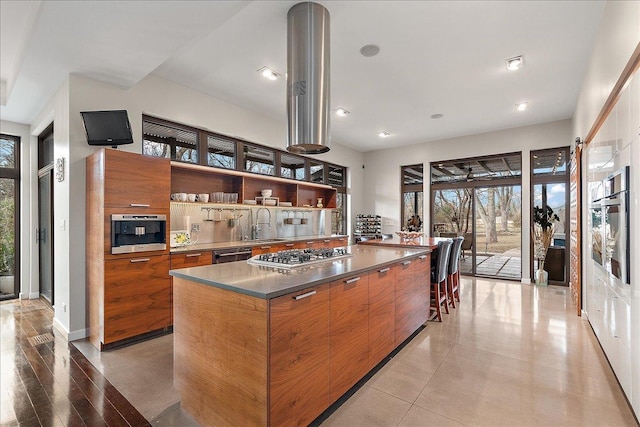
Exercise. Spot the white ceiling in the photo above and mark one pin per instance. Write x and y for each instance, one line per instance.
(443, 57)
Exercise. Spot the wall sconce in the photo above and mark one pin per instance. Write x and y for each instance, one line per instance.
(60, 169)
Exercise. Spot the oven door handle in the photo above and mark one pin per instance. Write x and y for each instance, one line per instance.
(232, 254)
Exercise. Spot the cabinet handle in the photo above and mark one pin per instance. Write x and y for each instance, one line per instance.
(305, 295)
(349, 281)
(140, 260)
(288, 245)
(406, 263)
(193, 255)
(422, 257)
(265, 247)
(326, 241)
(139, 205)
(384, 270)
(309, 243)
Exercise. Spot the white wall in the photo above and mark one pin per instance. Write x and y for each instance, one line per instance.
(613, 310)
(28, 198)
(382, 172)
(153, 96)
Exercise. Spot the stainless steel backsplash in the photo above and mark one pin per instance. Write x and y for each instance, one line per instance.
(217, 224)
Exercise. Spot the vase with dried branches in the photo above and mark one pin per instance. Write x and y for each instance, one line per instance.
(544, 220)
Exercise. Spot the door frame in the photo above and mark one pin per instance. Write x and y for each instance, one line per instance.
(47, 170)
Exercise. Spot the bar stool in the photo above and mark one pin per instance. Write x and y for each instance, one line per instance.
(439, 279)
(453, 277)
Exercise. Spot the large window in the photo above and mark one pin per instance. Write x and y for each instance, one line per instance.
(412, 197)
(9, 185)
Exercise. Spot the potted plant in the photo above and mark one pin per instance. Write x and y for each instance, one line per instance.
(542, 233)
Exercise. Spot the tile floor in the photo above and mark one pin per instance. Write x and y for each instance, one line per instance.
(509, 354)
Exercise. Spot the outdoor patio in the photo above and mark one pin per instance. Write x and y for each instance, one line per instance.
(507, 265)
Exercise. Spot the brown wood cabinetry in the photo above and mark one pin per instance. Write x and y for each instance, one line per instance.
(191, 259)
(302, 350)
(134, 181)
(129, 294)
(422, 283)
(299, 356)
(412, 296)
(349, 333)
(382, 313)
(137, 297)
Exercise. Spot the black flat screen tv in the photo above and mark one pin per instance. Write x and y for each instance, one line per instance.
(107, 127)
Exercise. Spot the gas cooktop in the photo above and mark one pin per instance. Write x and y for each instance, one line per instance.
(299, 258)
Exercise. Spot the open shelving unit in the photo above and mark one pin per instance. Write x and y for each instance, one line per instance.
(188, 178)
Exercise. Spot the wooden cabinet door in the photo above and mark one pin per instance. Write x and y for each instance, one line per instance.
(191, 259)
(349, 333)
(137, 181)
(136, 296)
(299, 356)
(338, 242)
(382, 314)
(422, 283)
(405, 303)
(311, 244)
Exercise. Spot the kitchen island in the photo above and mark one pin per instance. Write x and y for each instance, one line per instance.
(257, 345)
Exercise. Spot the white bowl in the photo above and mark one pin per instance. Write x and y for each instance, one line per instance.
(270, 202)
(266, 193)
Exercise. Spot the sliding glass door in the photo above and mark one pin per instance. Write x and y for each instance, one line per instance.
(498, 232)
(480, 199)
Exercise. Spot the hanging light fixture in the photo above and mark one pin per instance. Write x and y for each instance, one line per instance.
(308, 79)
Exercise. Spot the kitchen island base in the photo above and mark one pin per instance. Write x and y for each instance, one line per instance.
(242, 359)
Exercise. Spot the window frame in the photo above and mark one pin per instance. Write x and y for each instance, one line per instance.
(14, 174)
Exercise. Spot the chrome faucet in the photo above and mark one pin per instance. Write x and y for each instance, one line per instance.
(256, 228)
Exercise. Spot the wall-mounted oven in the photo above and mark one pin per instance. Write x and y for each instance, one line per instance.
(614, 225)
(138, 233)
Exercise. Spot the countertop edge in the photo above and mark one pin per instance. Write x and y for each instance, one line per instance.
(412, 252)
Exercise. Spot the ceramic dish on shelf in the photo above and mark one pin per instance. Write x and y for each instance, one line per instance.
(286, 204)
(269, 202)
(250, 202)
(266, 193)
(180, 238)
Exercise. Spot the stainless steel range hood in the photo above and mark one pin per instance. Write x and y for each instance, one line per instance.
(308, 78)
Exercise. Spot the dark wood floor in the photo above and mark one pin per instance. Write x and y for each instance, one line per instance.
(45, 381)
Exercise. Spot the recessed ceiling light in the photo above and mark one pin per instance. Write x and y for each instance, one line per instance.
(384, 134)
(515, 63)
(269, 73)
(437, 116)
(369, 50)
(522, 106)
(342, 112)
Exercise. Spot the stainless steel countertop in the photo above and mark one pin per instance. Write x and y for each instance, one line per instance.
(269, 282)
(248, 243)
